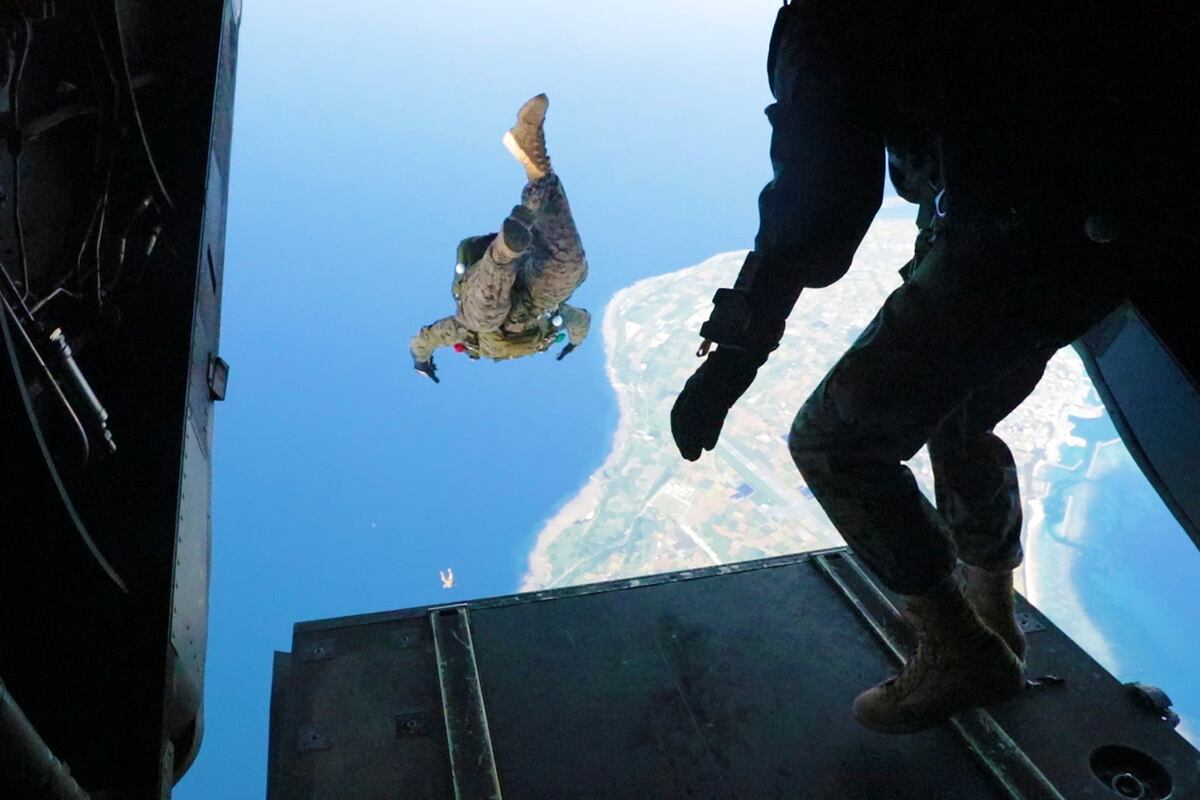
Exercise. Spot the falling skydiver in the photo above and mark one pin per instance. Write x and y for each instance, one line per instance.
(511, 288)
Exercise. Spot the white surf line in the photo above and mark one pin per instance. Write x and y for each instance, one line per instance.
(1035, 520)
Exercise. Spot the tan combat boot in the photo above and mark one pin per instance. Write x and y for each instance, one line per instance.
(959, 664)
(527, 140)
(991, 595)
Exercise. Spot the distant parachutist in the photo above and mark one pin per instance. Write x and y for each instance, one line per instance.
(447, 576)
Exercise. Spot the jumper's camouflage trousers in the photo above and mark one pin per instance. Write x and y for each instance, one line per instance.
(985, 303)
(503, 296)
(505, 290)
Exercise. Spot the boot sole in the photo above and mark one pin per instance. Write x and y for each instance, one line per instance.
(991, 698)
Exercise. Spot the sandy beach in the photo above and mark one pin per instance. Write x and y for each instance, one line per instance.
(587, 500)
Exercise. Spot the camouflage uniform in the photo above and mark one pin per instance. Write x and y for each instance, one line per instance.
(507, 302)
(990, 298)
(1033, 116)
(975, 477)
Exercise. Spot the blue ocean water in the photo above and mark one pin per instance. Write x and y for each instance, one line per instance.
(1135, 572)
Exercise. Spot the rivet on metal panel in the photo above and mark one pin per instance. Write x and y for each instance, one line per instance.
(415, 723)
(407, 639)
(310, 739)
(1029, 623)
(319, 651)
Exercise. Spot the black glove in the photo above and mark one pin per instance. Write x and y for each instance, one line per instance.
(564, 352)
(428, 369)
(699, 411)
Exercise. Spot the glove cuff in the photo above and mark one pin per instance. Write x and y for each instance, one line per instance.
(749, 316)
(734, 324)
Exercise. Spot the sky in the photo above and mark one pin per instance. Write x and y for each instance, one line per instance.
(366, 145)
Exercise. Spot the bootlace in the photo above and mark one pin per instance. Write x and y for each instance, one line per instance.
(925, 658)
(930, 654)
(539, 149)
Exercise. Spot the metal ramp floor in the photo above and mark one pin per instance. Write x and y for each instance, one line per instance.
(729, 682)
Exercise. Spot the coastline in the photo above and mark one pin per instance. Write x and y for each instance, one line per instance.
(1048, 572)
(538, 574)
(586, 501)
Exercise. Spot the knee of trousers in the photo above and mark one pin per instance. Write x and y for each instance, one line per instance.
(544, 195)
(830, 430)
(813, 438)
